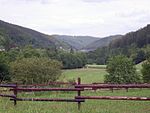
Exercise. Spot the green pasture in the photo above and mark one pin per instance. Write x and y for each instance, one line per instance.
(87, 75)
(139, 67)
(96, 66)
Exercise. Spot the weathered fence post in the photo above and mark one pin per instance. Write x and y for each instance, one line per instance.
(79, 93)
(15, 94)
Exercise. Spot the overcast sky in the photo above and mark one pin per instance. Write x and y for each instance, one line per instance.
(77, 17)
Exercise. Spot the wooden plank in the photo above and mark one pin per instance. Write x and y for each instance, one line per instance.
(50, 83)
(114, 98)
(3, 95)
(46, 99)
(113, 86)
(48, 89)
(7, 85)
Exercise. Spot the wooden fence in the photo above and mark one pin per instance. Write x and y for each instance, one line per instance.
(78, 87)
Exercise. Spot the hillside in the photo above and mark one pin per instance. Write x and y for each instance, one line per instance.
(21, 36)
(135, 45)
(76, 42)
(140, 38)
(18, 36)
(101, 42)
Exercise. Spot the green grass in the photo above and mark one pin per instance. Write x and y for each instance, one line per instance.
(87, 75)
(89, 106)
(96, 66)
(139, 66)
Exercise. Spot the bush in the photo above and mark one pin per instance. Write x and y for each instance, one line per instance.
(72, 60)
(35, 70)
(121, 70)
(4, 68)
(146, 71)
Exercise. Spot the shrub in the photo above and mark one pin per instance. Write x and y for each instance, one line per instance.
(146, 71)
(121, 70)
(35, 70)
(4, 68)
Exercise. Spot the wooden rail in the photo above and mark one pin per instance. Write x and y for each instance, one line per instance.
(4, 95)
(8, 85)
(104, 86)
(48, 89)
(46, 99)
(50, 83)
(114, 98)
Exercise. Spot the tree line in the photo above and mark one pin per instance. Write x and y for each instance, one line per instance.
(37, 65)
(101, 55)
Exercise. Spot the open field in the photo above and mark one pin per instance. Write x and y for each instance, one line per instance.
(139, 67)
(96, 66)
(89, 106)
(87, 75)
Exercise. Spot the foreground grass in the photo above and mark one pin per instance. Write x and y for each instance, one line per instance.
(87, 75)
(90, 106)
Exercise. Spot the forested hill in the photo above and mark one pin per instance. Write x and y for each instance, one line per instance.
(21, 36)
(140, 38)
(101, 42)
(135, 45)
(76, 42)
(17, 36)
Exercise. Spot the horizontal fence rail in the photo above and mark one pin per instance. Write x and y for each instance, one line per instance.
(50, 83)
(113, 86)
(114, 98)
(7, 85)
(48, 89)
(46, 99)
(4, 95)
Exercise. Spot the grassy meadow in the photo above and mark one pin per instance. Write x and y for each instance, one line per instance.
(96, 66)
(88, 75)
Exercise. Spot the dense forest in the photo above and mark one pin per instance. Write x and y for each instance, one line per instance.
(135, 45)
(17, 36)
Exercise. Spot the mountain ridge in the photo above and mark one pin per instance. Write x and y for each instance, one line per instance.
(22, 36)
(76, 42)
(102, 42)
